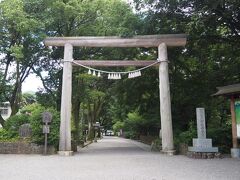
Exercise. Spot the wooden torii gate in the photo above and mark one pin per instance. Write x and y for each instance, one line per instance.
(159, 41)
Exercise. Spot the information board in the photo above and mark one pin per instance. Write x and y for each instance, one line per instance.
(237, 111)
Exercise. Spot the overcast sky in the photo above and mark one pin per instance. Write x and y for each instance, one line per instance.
(32, 83)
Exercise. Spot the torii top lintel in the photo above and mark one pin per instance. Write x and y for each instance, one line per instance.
(115, 41)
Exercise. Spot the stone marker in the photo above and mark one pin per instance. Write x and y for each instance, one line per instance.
(25, 131)
(201, 125)
(202, 144)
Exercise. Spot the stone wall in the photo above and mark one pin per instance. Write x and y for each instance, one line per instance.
(22, 147)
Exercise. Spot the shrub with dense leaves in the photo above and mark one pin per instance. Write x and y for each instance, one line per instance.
(36, 112)
(13, 124)
(32, 114)
(118, 126)
(186, 137)
(132, 125)
(221, 137)
(6, 136)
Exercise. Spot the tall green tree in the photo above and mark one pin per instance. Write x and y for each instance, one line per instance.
(81, 18)
(20, 36)
(210, 58)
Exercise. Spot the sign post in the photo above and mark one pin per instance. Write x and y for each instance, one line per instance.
(46, 118)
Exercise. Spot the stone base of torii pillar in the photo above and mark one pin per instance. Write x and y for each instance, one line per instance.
(65, 153)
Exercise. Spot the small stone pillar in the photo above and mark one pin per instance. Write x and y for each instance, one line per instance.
(65, 126)
(165, 102)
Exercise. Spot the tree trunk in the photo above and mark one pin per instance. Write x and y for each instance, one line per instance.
(90, 123)
(16, 94)
(92, 115)
(90, 131)
(2, 121)
(76, 119)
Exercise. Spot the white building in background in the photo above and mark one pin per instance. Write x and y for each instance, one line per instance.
(5, 110)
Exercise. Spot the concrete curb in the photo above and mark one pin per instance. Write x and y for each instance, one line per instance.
(87, 143)
(141, 145)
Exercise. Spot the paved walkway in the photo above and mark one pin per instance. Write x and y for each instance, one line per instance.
(116, 159)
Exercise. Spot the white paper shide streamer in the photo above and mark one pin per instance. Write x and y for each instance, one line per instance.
(114, 76)
(134, 74)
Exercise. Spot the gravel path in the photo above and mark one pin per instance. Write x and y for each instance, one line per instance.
(116, 159)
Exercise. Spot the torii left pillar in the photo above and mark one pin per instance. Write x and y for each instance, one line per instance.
(66, 104)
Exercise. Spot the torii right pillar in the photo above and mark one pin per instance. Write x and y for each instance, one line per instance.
(165, 102)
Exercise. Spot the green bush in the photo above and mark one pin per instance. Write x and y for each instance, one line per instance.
(36, 111)
(221, 137)
(186, 136)
(117, 126)
(133, 125)
(130, 135)
(32, 114)
(6, 136)
(13, 124)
